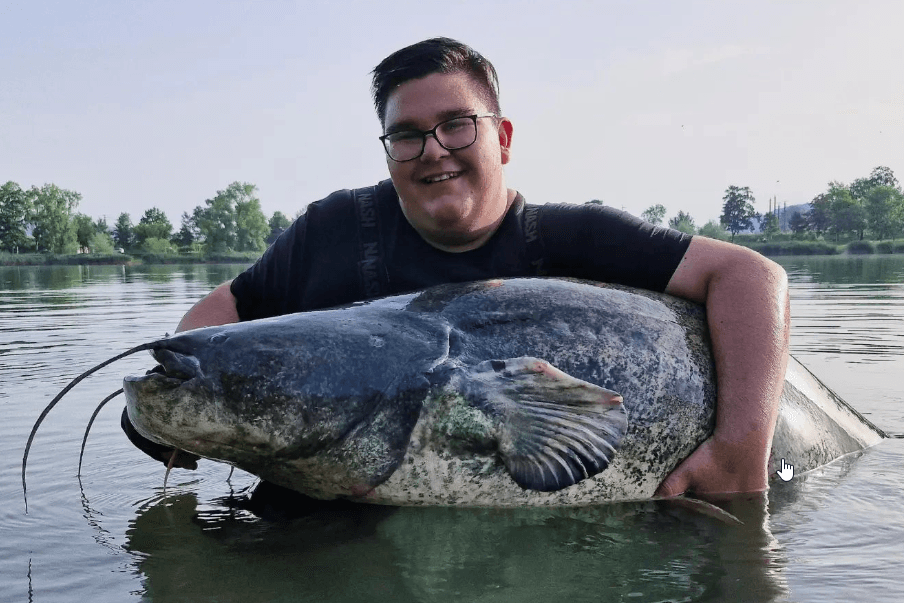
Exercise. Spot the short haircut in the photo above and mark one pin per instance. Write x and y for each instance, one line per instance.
(436, 55)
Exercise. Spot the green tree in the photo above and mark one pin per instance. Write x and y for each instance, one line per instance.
(883, 176)
(15, 210)
(885, 211)
(123, 231)
(737, 210)
(278, 224)
(683, 222)
(820, 214)
(714, 230)
(217, 221)
(859, 188)
(101, 225)
(846, 214)
(153, 225)
(798, 223)
(880, 176)
(52, 211)
(101, 242)
(769, 225)
(188, 233)
(251, 227)
(157, 246)
(654, 214)
(84, 230)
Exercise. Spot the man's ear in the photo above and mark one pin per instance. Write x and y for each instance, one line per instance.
(505, 139)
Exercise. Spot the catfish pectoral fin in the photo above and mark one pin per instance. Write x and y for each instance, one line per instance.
(557, 430)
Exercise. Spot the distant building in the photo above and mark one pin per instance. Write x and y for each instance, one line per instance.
(784, 217)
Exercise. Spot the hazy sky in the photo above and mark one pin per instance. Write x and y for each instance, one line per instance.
(161, 104)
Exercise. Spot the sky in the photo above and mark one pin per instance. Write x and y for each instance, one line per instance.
(162, 104)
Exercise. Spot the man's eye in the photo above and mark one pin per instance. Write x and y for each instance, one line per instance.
(454, 125)
(405, 136)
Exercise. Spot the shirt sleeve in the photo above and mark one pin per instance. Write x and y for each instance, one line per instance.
(311, 265)
(264, 289)
(600, 243)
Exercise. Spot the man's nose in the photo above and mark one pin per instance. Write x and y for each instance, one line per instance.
(432, 148)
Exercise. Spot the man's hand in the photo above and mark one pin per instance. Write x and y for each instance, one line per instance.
(716, 467)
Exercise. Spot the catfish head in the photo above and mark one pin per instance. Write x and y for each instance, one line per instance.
(313, 388)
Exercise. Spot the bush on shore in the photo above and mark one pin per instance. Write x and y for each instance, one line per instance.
(793, 247)
(809, 247)
(861, 247)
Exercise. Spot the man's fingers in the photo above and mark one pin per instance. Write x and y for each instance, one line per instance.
(673, 485)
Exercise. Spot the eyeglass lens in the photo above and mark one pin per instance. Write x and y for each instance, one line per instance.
(453, 134)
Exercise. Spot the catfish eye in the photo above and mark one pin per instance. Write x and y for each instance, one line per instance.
(218, 337)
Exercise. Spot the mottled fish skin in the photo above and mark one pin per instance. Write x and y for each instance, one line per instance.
(377, 401)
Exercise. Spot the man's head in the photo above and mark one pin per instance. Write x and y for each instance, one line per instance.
(454, 198)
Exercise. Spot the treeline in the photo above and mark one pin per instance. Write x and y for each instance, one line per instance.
(44, 220)
(870, 207)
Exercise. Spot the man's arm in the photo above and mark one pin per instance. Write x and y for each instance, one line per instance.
(748, 312)
(217, 308)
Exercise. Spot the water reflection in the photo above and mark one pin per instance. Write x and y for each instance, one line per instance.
(633, 551)
(64, 277)
(648, 551)
(848, 306)
(846, 269)
(188, 551)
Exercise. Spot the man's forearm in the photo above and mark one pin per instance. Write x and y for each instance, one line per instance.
(217, 308)
(746, 297)
(749, 319)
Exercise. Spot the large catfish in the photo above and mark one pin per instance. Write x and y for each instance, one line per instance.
(495, 393)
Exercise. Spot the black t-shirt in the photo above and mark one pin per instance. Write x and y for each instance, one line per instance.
(317, 262)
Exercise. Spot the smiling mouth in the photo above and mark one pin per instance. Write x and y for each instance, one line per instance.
(440, 177)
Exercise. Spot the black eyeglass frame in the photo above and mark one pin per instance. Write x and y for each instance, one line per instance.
(385, 138)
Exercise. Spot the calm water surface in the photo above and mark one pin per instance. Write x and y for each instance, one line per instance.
(835, 534)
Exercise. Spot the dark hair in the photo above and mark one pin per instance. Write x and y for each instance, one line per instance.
(436, 55)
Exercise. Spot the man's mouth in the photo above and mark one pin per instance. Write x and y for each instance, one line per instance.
(440, 177)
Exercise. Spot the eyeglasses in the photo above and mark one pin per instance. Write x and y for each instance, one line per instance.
(452, 134)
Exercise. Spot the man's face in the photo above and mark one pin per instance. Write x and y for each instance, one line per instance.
(458, 213)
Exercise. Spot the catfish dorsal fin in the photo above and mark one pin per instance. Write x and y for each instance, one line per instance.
(557, 430)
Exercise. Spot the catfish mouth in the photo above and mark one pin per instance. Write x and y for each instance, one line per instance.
(174, 369)
(175, 365)
(156, 400)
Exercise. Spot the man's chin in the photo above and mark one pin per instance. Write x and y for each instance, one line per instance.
(441, 212)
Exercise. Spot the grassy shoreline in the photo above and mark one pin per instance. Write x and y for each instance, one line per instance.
(95, 259)
(803, 248)
(767, 248)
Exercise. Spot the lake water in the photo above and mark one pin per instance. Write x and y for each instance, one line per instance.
(835, 534)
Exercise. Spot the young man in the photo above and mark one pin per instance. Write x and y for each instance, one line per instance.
(447, 215)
